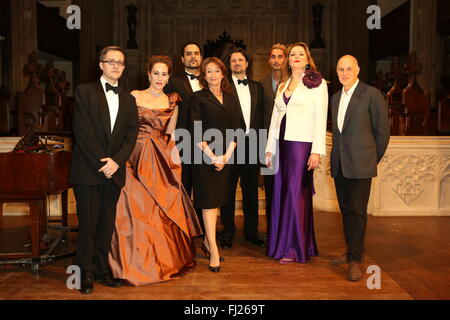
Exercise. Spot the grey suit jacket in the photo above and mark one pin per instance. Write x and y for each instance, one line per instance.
(365, 133)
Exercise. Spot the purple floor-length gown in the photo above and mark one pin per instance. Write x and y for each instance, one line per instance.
(291, 232)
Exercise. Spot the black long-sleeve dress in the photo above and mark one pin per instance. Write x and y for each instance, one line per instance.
(211, 188)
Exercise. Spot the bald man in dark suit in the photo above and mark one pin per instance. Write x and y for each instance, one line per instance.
(361, 134)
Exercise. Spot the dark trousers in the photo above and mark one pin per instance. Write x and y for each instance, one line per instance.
(96, 211)
(268, 187)
(186, 180)
(353, 197)
(249, 175)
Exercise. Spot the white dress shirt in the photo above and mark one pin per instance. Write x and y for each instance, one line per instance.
(195, 84)
(306, 117)
(245, 100)
(113, 102)
(343, 104)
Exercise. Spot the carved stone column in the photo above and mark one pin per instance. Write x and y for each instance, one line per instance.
(317, 45)
(304, 20)
(88, 60)
(423, 40)
(326, 57)
(261, 67)
(319, 56)
(135, 73)
(352, 36)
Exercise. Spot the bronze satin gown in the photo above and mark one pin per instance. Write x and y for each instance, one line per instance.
(155, 222)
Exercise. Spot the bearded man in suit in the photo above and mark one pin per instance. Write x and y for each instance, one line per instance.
(185, 84)
(249, 95)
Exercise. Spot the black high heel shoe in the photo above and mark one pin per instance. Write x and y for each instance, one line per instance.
(207, 254)
(211, 268)
(214, 269)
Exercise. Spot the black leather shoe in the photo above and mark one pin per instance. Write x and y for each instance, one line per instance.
(87, 285)
(257, 242)
(226, 243)
(109, 281)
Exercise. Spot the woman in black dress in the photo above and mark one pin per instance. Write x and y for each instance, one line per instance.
(213, 112)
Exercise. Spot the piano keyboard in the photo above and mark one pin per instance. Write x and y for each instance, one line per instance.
(7, 144)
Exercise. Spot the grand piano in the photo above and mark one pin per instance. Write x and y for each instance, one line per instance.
(31, 178)
(35, 173)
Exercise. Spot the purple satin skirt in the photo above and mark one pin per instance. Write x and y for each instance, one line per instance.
(291, 231)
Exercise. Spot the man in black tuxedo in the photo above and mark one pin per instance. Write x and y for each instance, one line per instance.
(250, 98)
(185, 84)
(105, 128)
(361, 134)
(277, 54)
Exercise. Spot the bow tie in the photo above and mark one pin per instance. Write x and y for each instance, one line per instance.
(110, 87)
(244, 82)
(192, 76)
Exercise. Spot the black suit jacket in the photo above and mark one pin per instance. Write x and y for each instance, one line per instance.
(213, 115)
(365, 133)
(269, 100)
(206, 108)
(93, 137)
(180, 84)
(257, 104)
(256, 113)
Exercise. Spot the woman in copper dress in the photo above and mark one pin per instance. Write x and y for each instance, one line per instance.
(156, 222)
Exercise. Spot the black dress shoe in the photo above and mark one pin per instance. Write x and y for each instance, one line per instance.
(87, 285)
(257, 242)
(226, 243)
(109, 281)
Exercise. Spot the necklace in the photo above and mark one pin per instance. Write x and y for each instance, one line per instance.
(155, 94)
(217, 93)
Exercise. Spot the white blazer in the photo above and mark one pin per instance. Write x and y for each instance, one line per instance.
(306, 117)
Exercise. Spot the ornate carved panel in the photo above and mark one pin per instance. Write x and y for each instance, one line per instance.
(262, 31)
(286, 30)
(162, 36)
(413, 179)
(187, 29)
(165, 25)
